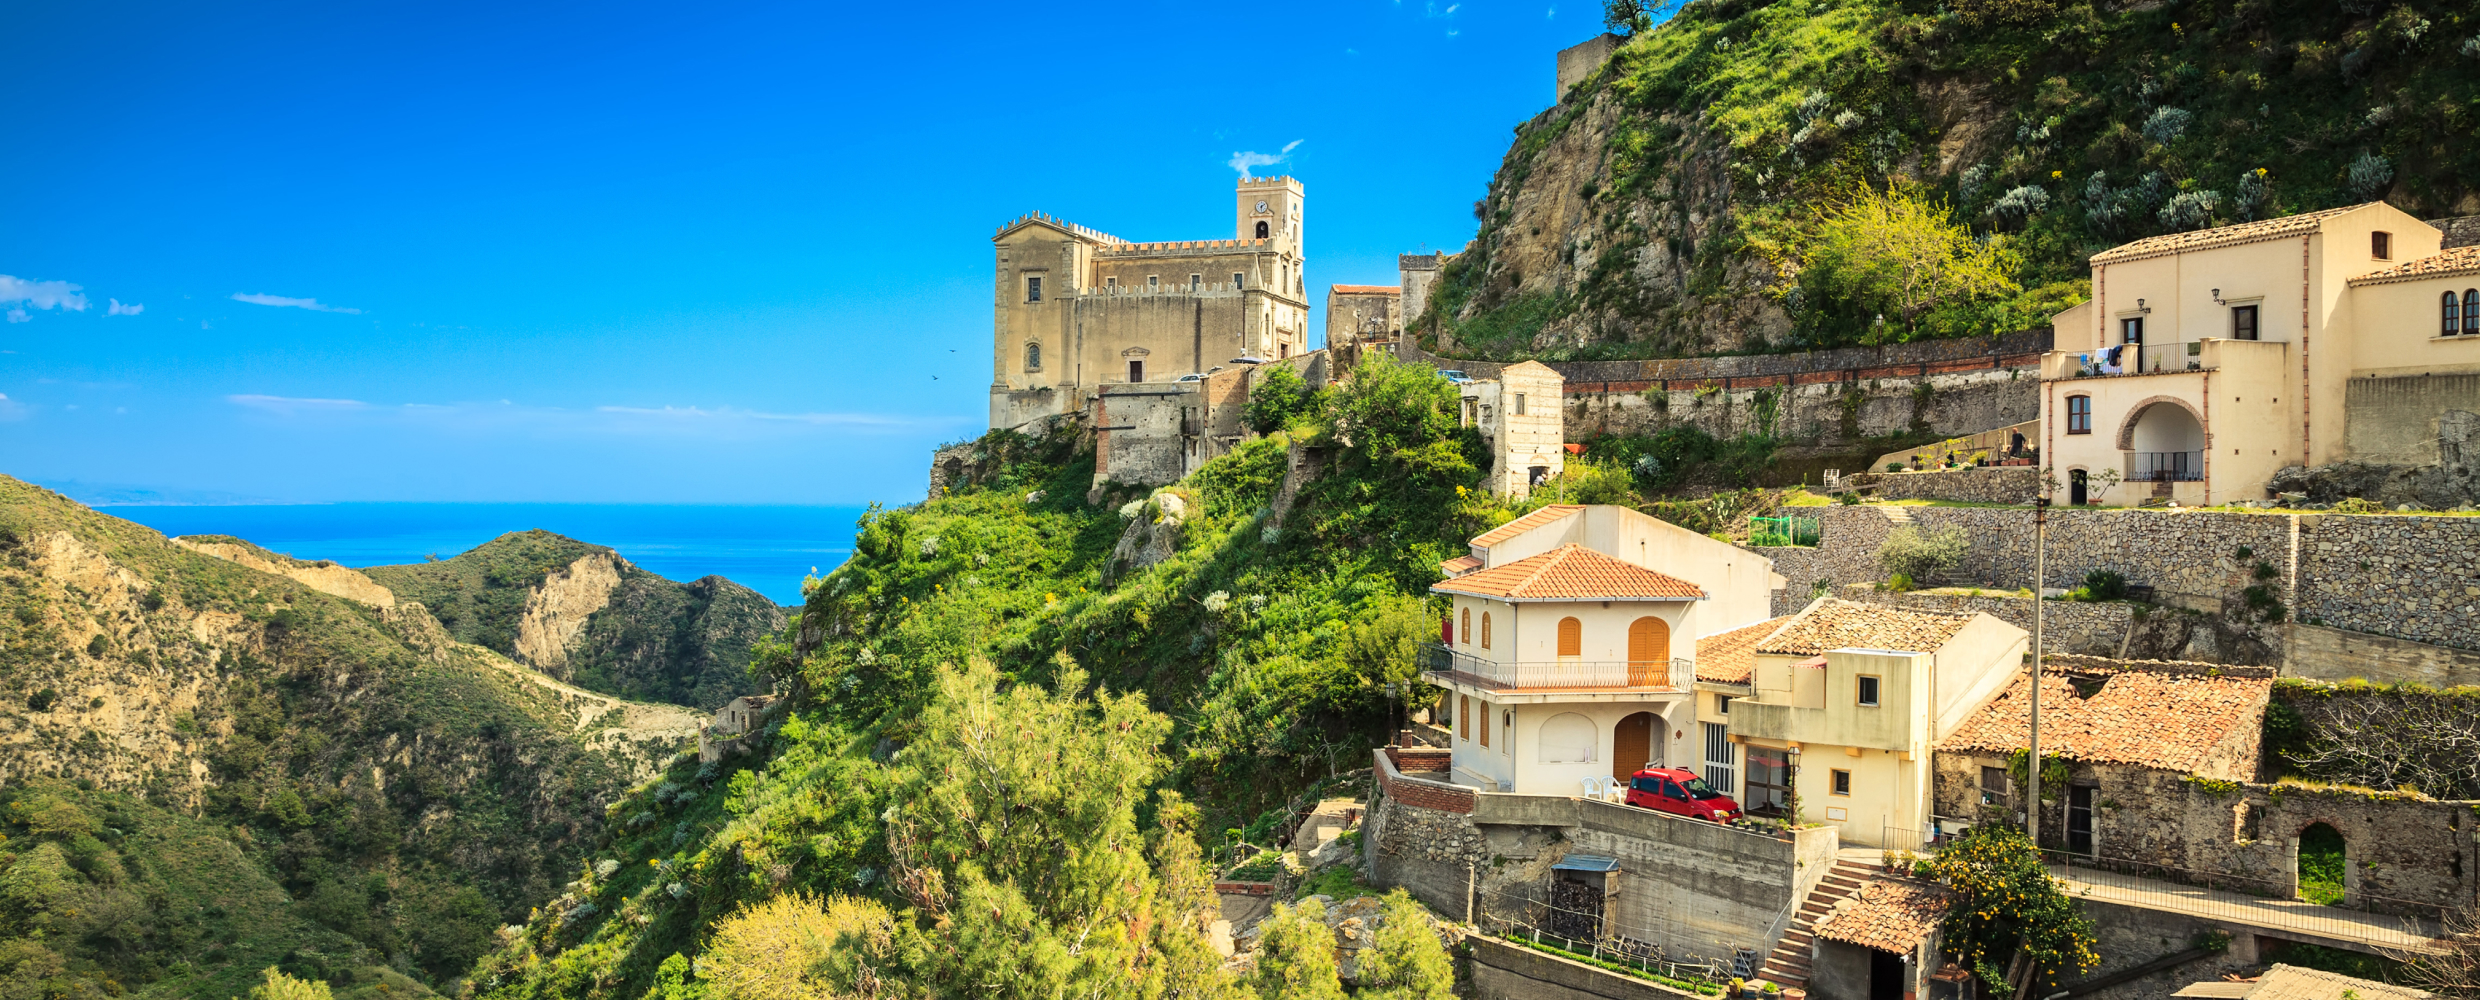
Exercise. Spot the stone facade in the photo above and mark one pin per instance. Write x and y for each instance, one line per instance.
(1363, 314)
(1076, 310)
(1521, 423)
(2099, 628)
(2019, 484)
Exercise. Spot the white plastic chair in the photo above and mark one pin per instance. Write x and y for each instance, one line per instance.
(1593, 788)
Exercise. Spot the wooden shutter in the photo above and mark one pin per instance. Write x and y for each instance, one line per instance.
(1631, 745)
(1649, 652)
(1571, 637)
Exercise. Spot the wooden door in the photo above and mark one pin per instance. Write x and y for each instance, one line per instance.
(1631, 745)
(1649, 652)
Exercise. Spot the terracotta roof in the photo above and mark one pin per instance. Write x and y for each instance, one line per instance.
(1459, 566)
(1731, 657)
(1833, 624)
(1888, 914)
(1526, 523)
(2442, 264)
(1571, 573)
(1367, 289)
(2222, 236)
(2290, 982)
(2149, 718)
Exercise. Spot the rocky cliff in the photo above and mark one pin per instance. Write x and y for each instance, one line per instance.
(583, 614)
(1664, 206)
(373, 794)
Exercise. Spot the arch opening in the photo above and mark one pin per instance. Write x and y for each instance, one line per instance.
(1569, 738)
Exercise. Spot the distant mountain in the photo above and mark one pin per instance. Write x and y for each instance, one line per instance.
(214, 759)
(583, 614)
(126, 495)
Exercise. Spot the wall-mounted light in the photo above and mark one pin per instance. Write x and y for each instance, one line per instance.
(2140, 307)
(2217, 298)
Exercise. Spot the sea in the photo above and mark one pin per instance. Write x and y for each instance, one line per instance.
(768, 549)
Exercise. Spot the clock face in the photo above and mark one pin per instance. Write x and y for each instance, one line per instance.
(1261, 207)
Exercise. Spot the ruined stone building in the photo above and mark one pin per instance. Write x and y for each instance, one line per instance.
(1363, 315)
(1075, 310)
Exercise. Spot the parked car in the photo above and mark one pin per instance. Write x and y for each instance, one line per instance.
(1191, 377)
(1681, 793)
(1454, 375)
(1248, 361)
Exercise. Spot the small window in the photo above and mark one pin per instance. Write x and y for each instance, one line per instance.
(1571, 637)
(1033, 288)
(2131, 330)
(1263, 231)
(1136, 371)
(2471, 311)
(1842, 782)
(2079, 414)
(1153, 281)
(1868, 692)
(1196, 281)
(1465, 633)
(2453, 311)
(1485, 723)
(1485, 630)
(1111, 282)
(1463, 717)
(2243, 322)
(1033, 357)
(1519, 404)
(2381, 246)
(1238, 280)
(1722, 704)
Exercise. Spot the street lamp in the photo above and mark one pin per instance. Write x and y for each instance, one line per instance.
(2032, 756)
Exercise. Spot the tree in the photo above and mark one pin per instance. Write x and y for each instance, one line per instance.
(1626, 17)
(1408, 962)
(1296, 956)
(791, 947)
(1895, 255)
(1920, 556)
(1279, 395)
(2451, 968)
(2003, 900)
(277, 986)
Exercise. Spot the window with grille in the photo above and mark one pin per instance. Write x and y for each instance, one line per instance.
(1033, 288)
(1718, 763)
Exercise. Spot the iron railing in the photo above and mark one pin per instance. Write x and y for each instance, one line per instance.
(2165, 466)
(2368, 918)
(1661, 675)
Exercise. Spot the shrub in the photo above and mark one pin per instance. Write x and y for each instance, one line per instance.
(2369, 176)
(1894, 466)
(2167, 124)
(1918, 555)
(2189, 210)
(2105, 585)
(1279, 395)
(1848, 498)
(792, 948)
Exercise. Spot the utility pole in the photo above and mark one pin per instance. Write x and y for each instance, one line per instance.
(2040, 583)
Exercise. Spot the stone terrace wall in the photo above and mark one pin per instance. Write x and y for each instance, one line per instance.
(2066, 625)
(2405, 576)
(1914, 354)
(1994, 484)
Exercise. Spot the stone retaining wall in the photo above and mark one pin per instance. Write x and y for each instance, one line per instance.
(1985, 484)
(2329, 654)
(1505, 971)
(2098, 629)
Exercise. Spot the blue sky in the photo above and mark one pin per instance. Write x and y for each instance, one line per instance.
(652, 253)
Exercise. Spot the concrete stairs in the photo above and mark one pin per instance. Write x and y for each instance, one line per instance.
(1788, 966)
(1898, 517)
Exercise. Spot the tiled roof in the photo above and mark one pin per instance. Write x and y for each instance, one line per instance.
(2290, 982)
(1368, 289)
(2221, 236)
(1730, 657)
(1526, 523)
(1833, 624)
(2442, 264)
(1458, 566)
(1571, 573)
(1888, 914)
(2149, 718)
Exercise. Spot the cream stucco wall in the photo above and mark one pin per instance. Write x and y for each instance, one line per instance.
(1515, 761)
(1739, 584)
(2399, 324)
(1528, 632)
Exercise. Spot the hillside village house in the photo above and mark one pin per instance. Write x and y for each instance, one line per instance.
(2207, 361)
(1839, 706)
(1569, 653)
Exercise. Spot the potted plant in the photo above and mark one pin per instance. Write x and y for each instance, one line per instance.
(1737, 985)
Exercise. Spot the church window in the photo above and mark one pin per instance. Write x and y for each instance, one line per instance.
(1033, 357)
(1033, 288)
(1136, 371)
(1263, 231)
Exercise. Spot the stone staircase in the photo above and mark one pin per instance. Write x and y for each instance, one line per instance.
(1898, 517)
(1788, 966)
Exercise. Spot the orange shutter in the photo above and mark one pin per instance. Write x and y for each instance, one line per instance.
(1485, 630)
(1571, 637)
(1463, 716)
(1485, 723)
(1649, 652)
(1464, 634)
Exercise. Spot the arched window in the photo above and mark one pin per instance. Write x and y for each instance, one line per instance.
(1485, 723)
(1568, 738)
(1463, 716)
(1485, 630)
(1033, 357)
(1464, 633)
(1571, 637)
(2453, 310)
(1263, 231)
(2471, 310)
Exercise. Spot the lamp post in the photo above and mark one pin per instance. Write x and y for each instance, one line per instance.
(2040, 583)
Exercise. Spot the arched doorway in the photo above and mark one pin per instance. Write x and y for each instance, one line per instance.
(1632, 745)
(2323, 864)
(1649, 652)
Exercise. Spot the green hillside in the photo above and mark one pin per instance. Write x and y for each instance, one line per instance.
(1705, 191)
(343, 787)
(651, 639)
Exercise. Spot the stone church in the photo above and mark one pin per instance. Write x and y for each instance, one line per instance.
(1076, 310)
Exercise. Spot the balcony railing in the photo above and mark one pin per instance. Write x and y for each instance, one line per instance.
(2165, 466)
(1660, 675)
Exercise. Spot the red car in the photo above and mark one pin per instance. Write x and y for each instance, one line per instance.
(1680, 793)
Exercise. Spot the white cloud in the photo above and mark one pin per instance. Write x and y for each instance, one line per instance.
(40, 294)
(1552, 12)
(313, 305)
(1243, 161)
(19, 316)
(117, 309)
(290, 405)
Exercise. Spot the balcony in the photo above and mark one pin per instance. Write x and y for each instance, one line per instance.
(2165, 466)
(1444, 665)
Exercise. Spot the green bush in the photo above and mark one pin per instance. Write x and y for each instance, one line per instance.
(1894, 466)
(1918, 555)
(2105, 585)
